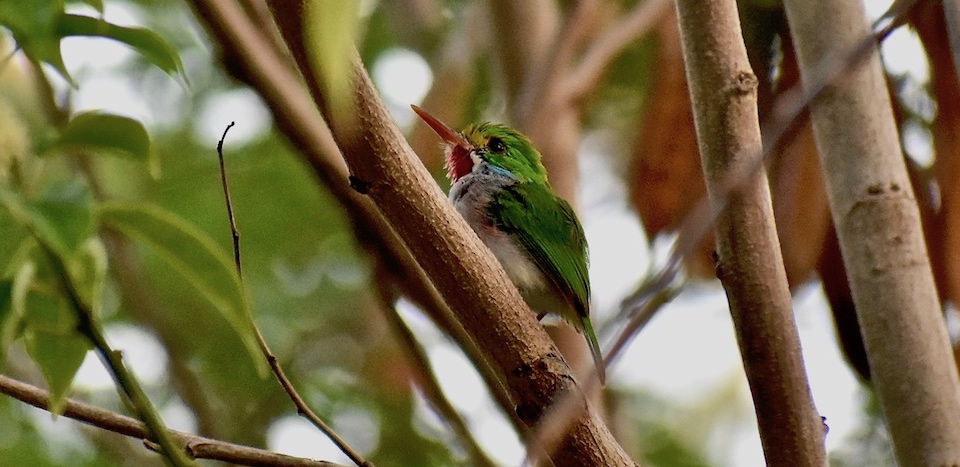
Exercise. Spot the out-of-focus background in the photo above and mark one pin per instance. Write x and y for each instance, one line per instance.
(678, 397)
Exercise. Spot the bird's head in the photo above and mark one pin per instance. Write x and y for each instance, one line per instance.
(498, 145)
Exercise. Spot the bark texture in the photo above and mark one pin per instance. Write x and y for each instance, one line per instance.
(877, 220)
(723, 90)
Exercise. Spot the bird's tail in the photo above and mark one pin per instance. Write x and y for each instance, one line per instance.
(594, 349)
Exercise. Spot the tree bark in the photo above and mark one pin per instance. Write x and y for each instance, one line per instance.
(465, 272)
(878, 224)
(723, 90)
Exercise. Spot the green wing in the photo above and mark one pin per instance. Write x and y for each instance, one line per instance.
(559, 248)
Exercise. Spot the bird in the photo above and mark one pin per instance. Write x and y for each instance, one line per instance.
(500, 186)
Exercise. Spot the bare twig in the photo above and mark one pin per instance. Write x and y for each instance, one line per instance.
(196, 446)
(234, 233)
(302, 408)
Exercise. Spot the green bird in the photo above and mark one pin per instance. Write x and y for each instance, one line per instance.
(500, 187)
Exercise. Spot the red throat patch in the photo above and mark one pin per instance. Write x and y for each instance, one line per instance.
(459, 163)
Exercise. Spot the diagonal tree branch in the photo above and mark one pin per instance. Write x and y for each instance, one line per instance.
(197, 447)
(464, 270)
(269, 72)
(427, 381)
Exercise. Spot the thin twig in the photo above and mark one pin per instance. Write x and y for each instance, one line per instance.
(197, 446)
(226, 196)
(786, 110)
(302, 408)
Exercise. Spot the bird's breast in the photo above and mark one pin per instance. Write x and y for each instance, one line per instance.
(472, 195)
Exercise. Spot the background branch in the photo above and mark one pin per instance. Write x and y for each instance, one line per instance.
(723, 90)
(427, 381)
(584, 78)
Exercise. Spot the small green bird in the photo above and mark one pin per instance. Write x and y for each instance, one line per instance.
(501, 189)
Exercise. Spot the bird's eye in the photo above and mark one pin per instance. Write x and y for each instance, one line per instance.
(496, 145)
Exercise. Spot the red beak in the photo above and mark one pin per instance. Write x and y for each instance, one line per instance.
(449, 135)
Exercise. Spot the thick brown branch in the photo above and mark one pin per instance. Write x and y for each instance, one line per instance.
(196, 446)
(464, 270)
(749, 262)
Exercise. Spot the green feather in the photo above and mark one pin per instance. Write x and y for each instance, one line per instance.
(559, 248)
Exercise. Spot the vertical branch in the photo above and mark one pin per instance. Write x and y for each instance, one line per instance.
(522, 33)
(723, 90)
(878, 225)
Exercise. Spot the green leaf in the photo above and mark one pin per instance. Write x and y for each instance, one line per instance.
(332, 27)
(29, 218)
(59, 357)
(66, 209)
(49, 331)
(98, 131)
(193, 254)
(33, 25)
(153, 47)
